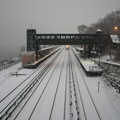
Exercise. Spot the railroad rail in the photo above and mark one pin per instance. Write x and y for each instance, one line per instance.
(58, 91)
(78, 94)
(7, 111)
(43, 92)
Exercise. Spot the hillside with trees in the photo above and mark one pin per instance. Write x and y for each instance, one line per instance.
(110, 24)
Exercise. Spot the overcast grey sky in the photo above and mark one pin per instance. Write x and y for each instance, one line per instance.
(47, 16)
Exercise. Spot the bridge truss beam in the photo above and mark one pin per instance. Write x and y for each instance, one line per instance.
(73, 39)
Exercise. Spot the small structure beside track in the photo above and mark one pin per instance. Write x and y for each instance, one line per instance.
(29, 58)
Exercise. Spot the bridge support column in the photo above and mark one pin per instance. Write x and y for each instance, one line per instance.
(36, 47)
(84, 51)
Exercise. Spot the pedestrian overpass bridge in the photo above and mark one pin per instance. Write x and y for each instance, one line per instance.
(34, 40)
(98, 41)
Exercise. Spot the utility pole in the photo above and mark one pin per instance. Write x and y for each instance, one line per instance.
(98, 87)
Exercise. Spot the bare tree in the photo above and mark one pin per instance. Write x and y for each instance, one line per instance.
(107, 25)
(82, 29)
(22, 49)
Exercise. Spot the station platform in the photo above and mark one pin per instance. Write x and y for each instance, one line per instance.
(37, 62)
(90, 68)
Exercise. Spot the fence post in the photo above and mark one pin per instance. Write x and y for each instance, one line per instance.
(98, 87)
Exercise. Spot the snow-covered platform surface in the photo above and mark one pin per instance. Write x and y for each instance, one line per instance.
(89, 65)
(9, 79)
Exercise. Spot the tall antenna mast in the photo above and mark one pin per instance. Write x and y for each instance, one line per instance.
(31, 26)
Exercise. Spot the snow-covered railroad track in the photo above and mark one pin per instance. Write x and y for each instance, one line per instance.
(20, 94)
(40, 92)
(57, 93)
(73, 98)
(85, 97)
(64, 92)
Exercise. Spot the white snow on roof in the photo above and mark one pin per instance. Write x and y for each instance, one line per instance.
(28, 53)
(115, 39)
(99, 30)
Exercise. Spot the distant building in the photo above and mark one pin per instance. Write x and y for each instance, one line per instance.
(99, 31)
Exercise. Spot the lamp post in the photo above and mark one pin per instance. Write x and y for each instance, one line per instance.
(99, 58)
(115, 28)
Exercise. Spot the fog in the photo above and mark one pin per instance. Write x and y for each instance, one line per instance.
(46, 16)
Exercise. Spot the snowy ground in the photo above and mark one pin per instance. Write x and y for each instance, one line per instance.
(9, 80)
(107, 100)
